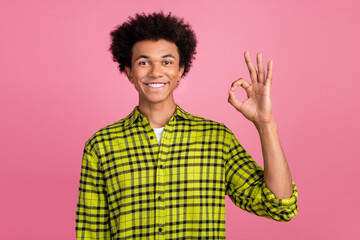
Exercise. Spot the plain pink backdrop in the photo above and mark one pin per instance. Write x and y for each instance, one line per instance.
(59, 85)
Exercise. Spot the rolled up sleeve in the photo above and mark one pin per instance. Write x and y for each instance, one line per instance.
(246, 187)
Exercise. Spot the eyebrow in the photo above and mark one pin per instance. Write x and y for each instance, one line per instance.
(147, 57)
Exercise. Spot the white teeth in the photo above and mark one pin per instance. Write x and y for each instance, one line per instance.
(156, 85)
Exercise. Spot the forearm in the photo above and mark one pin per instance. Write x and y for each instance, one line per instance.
(276, 170)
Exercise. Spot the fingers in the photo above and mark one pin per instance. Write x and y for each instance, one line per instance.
(243, 83)
(258, 75)
(250, 66)
(268, 80)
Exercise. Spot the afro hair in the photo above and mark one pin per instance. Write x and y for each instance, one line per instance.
(153, 26)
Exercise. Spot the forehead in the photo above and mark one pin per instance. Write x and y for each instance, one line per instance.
(154, 49)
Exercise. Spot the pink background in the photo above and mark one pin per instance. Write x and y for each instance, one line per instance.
(59, 85)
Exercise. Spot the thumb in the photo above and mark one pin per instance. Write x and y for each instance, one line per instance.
(233, 100)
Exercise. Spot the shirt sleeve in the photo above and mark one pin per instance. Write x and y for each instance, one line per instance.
(92, 215)
(246, 187)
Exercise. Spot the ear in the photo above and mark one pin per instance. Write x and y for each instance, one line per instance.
(128, 74)
(181, 72)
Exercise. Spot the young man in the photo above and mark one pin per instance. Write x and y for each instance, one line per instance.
(162, 173)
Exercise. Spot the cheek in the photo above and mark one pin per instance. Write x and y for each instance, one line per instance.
(175, 73)
(138, 76)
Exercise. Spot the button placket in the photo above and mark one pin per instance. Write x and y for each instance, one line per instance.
(159, 221)
(162, 181)
(162, 184)
(159, 203)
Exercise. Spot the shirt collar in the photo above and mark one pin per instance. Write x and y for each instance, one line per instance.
(136, 115)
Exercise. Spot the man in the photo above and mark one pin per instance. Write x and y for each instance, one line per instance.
(162, 173)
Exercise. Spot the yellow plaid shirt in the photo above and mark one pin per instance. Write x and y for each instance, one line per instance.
(133, 188)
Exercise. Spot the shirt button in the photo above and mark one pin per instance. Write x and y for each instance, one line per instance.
(152, 137)
(161, 166)
(159, 198)
(160, 229)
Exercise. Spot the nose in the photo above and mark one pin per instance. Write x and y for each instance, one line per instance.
(156, 71)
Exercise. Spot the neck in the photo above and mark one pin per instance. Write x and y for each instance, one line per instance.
(157, 114)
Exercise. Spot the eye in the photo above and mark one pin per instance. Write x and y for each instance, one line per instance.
(144, 63)
(167, 62)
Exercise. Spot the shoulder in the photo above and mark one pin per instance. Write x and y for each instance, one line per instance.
(108, 132)
(208, 131)
(207, 124)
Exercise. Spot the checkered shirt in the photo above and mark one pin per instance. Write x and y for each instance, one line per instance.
(133, 188)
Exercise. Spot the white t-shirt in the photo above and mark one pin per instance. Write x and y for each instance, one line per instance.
(158, 132)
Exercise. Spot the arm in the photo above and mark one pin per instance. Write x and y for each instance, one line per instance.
(258, 109)
(276, 171)
(246, 187)
(92, 215)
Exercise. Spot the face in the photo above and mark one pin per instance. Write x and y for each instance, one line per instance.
(155, 70)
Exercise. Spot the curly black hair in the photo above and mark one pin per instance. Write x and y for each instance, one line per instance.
(153, 26)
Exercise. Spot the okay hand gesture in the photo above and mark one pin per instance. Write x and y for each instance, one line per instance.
(257, 108)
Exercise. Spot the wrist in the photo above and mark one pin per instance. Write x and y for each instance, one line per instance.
(266, 125)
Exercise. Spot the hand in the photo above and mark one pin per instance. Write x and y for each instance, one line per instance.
(257, 108)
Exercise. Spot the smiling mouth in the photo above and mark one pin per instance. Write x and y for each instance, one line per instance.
(155, 85)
